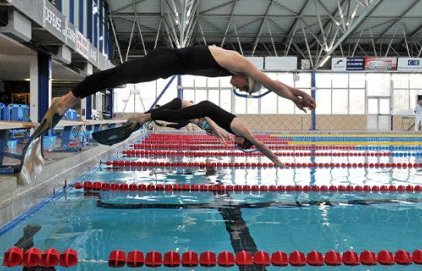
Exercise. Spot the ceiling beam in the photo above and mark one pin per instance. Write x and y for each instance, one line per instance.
(363, 16)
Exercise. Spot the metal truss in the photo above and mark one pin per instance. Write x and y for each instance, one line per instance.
(345, 29)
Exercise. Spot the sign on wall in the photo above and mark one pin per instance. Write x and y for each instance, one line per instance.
(380, 63)
(347, 63)
(409, 64)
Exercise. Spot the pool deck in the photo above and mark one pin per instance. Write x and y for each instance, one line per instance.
(59, 167)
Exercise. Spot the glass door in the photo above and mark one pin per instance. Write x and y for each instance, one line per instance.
(378, 113)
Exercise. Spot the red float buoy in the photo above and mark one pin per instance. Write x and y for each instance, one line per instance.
(402, 257)
(50, 258)
(315, 258)
(279, 258)
(13, 257)
(135, 258)
(350, 258)
(297, 258)
(69, 258)
(153, 259)
(417, 256)
(117, 258)
(332, 258)
(190, 259)
(225, 258)
(171, 259)
(261, 258)
(385, 257)
(367, 257)
(207, 259)
(32, 257)
(243, 258)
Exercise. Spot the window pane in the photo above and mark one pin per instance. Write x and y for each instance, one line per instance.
(340, 80)
(373, 106)
(252, 106)
(340, 101)
(323, 99)
(200, 95)
(188, 80)
(401, 101)
(189, 94)
(225, 82)
(285, 106)
(200, 81)
(385, 106)
(239, 105)
(357, 80)
(302, 80)
(213, 82)
(416, 81)
(400, 80)
(226, 99)
(378, 84)
(214, 96)
(286, 78)
(323, 80)
(357, 101)
(269, 104)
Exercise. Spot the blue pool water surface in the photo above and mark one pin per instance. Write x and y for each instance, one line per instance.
(95, 223)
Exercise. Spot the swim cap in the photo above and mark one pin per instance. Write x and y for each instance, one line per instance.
(254, 86)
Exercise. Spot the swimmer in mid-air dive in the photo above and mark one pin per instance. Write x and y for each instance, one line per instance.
(210, 61)
(206, 115)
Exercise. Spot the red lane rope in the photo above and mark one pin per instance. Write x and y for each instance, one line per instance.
(136, 258)
(51, 257)
(105, 186)
(137, 153)
(134, 164)
(231, 146)
(34, 257)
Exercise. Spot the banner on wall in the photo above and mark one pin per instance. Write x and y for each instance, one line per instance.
(338, 63)
(409, 64)
(347, 63)
(380, 63)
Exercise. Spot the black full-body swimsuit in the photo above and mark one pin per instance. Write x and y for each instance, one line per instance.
(200, 110)
(173, 112)
(160, 63)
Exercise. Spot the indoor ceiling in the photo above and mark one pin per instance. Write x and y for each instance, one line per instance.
(312, 29)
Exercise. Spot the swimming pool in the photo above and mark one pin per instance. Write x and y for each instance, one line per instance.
(354, 208)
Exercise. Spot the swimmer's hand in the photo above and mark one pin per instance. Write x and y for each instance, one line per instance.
(224, 137)
(305, 101)
(279, 164)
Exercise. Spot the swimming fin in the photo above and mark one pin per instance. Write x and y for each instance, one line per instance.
(115, 135)
(51, 118)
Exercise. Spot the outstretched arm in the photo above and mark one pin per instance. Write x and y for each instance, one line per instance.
(218, 132)
(238, 64)
(240, 129)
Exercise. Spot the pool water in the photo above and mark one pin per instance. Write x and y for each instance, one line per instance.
(97, 222)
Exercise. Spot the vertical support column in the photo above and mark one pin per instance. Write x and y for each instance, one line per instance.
(313, 94)
(109, 102)
(179, 87)
(33, 89)
(59, 5)
(72, 11)
(81, 16)
(95, 23)
(86, 103)
(44, 84)
(89, 20)
(88, 107)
